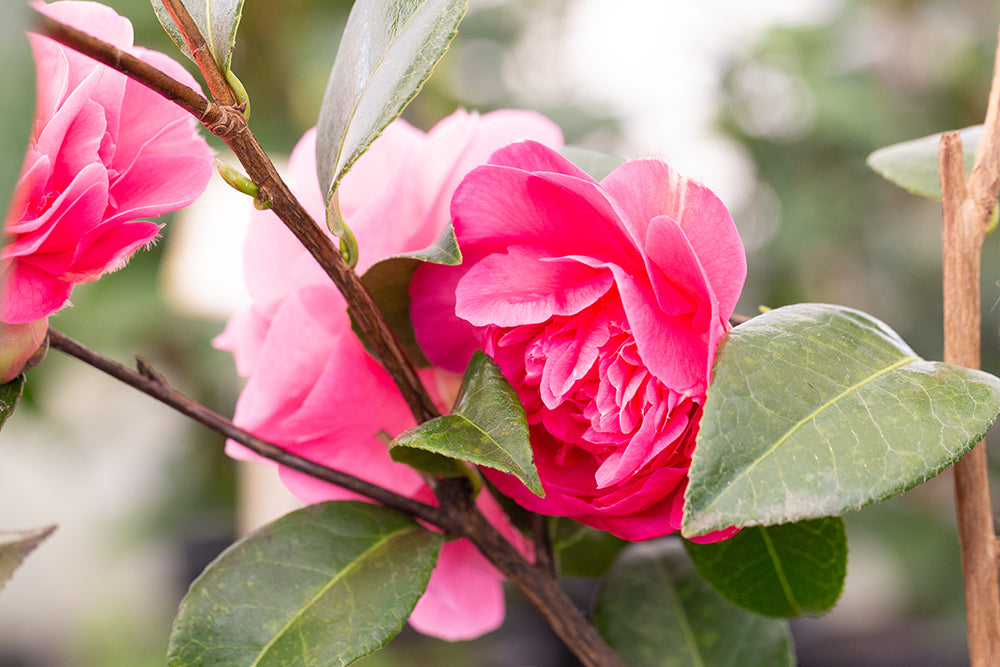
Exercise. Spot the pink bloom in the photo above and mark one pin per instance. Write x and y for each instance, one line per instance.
(104, 151)
(18, 344)
(603, 303)
(313, 389)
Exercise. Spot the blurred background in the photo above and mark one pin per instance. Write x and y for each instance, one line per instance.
(774, 104)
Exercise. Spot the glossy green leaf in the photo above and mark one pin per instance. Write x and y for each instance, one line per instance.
(15, 545)
(913, 165)
(487, 426)
(784, 571)
(18, 100)
(324, 585)
(217, 20)
(817, 409)
(595, 163)
(655, 611)
(388, 50)
(438, 465)
(388, 281)
(10, 394)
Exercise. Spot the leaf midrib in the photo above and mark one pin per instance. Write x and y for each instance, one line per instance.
(807, 419)
(326, 587)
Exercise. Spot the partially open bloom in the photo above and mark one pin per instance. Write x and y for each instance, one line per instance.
(19, 344)
(603, 303)
(104, 151)
(314, 389)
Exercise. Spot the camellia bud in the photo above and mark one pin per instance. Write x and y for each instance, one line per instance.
(21, 347)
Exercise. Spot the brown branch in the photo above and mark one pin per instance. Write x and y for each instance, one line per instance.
(457, 514)
(188, 99)
(964, 226)
(203, 56)
(152, 383)
(536, 583)
(229, 124)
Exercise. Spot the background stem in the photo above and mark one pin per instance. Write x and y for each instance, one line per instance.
(967, 207)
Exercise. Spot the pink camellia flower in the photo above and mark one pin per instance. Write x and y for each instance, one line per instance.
(314, 389)
(603, 303)
(104, 151)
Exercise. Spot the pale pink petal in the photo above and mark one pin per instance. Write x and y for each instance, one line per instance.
(244, 336)
(464, 598)
(302, 331)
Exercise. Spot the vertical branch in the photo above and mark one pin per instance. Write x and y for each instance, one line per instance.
(967, 207)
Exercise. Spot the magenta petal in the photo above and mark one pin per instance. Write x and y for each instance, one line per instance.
(536, 157)
(647, 188)
(672, 258)
(501, 206)
(447, 340)
(464, 598)
(30, 294)
(519, 288)
(111, 249)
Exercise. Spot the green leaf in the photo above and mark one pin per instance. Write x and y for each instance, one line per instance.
(217, 20)
(487, 426)
(388, 281)
(655, 611)
(324, 585)
(817, 409)
(388, 50)
(784, 571)
(595, 163)
(437, 465)
(18, 100)
(15, 545)
(10, 394)
(582, 551)
(913, 165)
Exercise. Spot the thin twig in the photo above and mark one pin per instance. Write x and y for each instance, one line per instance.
(183, 96)
(203, 56)
(457, 513)
(153, 384)
(543, 543)
(230, 125)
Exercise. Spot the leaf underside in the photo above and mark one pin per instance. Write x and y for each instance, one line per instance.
(388, 51)
(15, 546)
(913, 165)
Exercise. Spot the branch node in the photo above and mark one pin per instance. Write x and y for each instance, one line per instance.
(147, 371)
